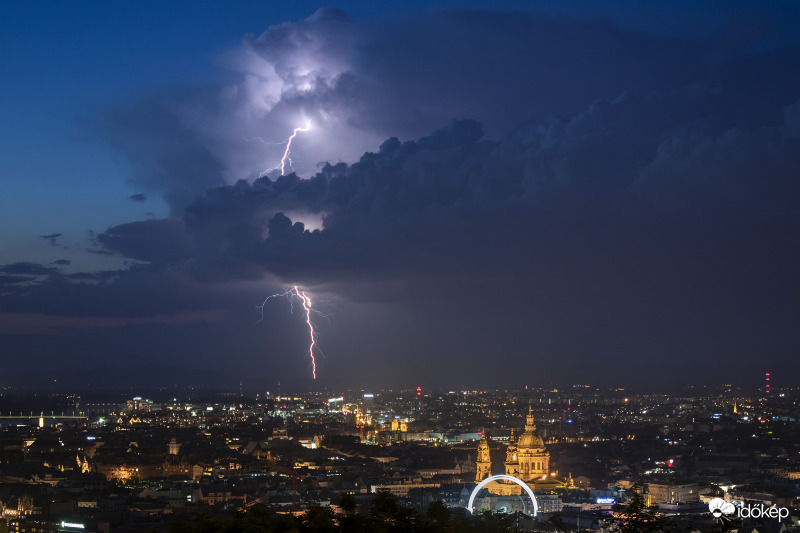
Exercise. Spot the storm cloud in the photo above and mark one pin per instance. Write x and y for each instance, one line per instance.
(527, 186)
(361, 83)
(415, 208)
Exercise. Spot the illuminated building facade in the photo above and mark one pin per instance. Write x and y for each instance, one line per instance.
(526, 459)
(484, 466)
(534, 459)
(512, 457)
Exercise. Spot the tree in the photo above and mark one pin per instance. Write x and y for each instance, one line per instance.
(319, 520)
(350, 520)
(487, 521)
(557, 522)
(387, 514)
(348, 504)
(638, 518)
(438, 512)
(439, 519)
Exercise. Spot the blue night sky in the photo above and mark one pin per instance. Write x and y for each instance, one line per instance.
(613, 184)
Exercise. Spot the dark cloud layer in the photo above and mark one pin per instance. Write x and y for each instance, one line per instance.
(634, 164)
(359, 84)
(635, 228)
(604, 196)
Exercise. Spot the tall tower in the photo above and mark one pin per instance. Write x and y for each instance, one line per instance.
(512, 461)
(174, 447)
(484, 465)
(766, 386)
(534, 460)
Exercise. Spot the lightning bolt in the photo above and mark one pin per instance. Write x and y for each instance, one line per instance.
(289, 147)
(305, 300)
(286, 153)
(307, 306)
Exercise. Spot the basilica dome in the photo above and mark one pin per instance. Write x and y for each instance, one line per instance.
(530, 439)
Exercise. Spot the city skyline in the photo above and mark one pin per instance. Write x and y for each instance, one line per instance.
(474, 196)
(605, 461)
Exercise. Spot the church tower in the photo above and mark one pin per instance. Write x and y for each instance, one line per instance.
(534, 460)
(484, 466)
(174, 447)
(570, 482)
(512, 461)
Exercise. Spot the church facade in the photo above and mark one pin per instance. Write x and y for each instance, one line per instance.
(526, 459)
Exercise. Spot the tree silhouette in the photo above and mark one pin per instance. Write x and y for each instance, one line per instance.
(639, 518)
(385, 516)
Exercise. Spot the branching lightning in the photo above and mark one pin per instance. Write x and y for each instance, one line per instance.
(295, 292)
(307, 306)
(286, 155)
(305, 300)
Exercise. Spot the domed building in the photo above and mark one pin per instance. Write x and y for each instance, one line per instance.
(526, 459)
(533, 458)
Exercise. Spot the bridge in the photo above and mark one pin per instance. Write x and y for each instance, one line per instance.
(51, 416)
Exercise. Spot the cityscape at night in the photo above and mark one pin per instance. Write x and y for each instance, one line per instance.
(400, 266)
